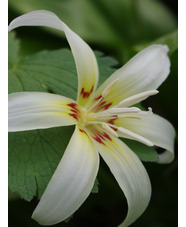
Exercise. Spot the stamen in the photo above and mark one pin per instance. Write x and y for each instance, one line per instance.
(136, 137)
(137, 98)
(94, 122)
(95, 104)
(129, 116)
(124, 110)
(150, 110)
(107, 90)
(119, 112)
(114, 117)
(131, 135)
(109, 129)
(126, 133)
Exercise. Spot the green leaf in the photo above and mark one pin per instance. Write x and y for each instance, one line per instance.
(145, 153)
(34, 155)
(171, 40)
(116, 26)
(95, 187)
(13, 47)
(52, 71)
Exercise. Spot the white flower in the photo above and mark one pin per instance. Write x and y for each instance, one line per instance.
(100, 117)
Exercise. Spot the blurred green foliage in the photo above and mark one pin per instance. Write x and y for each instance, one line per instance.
(119, 28)
(113, 25)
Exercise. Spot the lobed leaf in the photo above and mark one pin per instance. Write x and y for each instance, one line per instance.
(34, 155)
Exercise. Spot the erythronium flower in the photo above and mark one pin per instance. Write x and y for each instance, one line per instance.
(100, 116)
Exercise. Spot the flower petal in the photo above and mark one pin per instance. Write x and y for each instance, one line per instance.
(130, 175)
(71, 183)
(37, 110)
(154, 128)
(144, 72)
(85, 59)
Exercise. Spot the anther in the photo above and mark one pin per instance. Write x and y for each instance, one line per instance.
(124, 110)
(107, 90)
(95, 104)
(129, 134)
(137, 98)
(109, 129)
(150, 110)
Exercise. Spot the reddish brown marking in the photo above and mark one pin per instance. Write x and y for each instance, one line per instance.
(75, 112)
(73, 105)
(100, 106)
(81, 130)
(75, 116)
(98, 140)
(98, 98)
(111, 121)
(100, 137)
(86, 94)
(107, 105)
(107, 136)
(103, 106)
